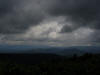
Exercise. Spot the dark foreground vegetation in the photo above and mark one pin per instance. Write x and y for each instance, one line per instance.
(49, 64)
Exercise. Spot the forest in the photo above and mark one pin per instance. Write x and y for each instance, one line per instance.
(49, 64)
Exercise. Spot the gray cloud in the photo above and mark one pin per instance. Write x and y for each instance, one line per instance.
(81, 12)
(18, 16)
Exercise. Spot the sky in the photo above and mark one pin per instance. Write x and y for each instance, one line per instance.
(50, 22)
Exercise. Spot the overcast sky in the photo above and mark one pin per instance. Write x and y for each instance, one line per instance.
(50, 22)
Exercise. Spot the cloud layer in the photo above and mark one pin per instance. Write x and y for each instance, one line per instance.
(50, 20)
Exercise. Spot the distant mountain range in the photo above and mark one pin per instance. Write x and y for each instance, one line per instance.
(79, 50)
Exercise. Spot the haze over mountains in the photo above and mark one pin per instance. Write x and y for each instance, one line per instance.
(52, 50)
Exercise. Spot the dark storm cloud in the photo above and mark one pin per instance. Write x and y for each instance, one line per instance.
(16, 16)
(5, 7)
(80, 12)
